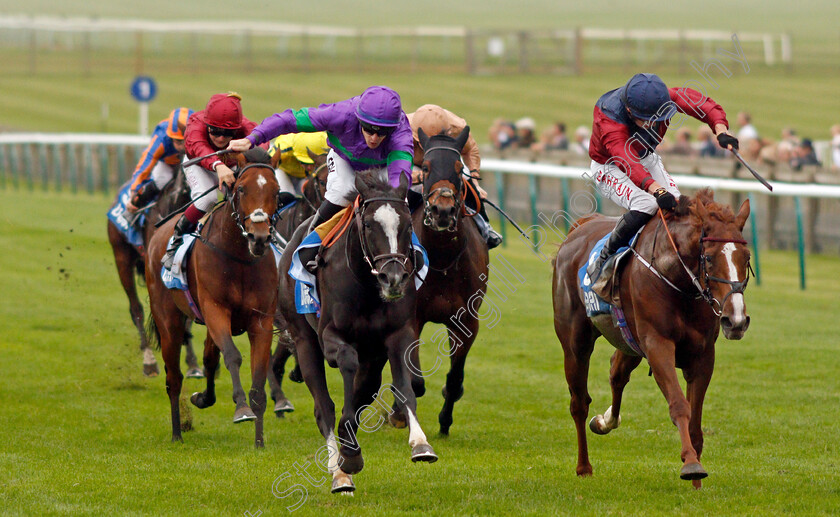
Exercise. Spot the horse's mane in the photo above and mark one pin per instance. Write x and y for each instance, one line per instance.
(706, 197)
(380, 187)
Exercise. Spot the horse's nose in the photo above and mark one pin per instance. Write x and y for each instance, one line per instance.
(734, 327)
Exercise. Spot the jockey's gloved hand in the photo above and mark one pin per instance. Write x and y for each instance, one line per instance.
(665, 199)
(725, 140)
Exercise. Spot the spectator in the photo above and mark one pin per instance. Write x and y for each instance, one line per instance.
(804, 155)
(835, 147)
(581, 143)
(682, 144)
(786, 148)
(525, 132)
(553, 138)
(707, 147)
(748, 136)
(502, 134)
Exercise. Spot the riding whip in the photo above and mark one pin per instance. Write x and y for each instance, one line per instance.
(179, 210)
(507, 217)
(757, 175)
(199, 158)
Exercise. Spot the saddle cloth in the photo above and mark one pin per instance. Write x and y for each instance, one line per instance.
(307, 300)
(597, 307)
(117, 215)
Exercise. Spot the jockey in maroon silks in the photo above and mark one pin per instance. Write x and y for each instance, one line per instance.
(629, 122)
(208, 131)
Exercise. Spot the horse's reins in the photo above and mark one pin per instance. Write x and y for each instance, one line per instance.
(703, 292)
(399, 258)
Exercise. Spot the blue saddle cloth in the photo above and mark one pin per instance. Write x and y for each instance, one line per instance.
(307, 300)
(595, 305)
(133, 233)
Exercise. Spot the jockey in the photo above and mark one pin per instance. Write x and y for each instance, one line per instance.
(208, 131)
(434, 120)
(629, 122)
(292, 162)
(367, 132)
(159, 160)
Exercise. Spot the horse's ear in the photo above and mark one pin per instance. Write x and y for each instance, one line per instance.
(461, 141)
(743, 214)
(364, 182)
(402, 190)
(422, 137)
(700, 209)
(312, 156)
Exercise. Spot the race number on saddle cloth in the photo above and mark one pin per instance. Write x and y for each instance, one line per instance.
(594, 304)
(306, 292)
(133, 233)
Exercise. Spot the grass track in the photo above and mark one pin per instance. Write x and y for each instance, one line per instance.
(84, 433)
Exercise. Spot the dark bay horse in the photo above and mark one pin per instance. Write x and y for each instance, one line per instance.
(676, 294)
(367, 294)
(288, 220)
(458, 271)
(130, 259)
(232, 277)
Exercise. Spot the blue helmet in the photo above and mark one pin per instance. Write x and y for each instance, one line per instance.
(644, 95)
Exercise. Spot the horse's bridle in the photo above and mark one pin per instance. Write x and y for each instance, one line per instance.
(257, 215)
(317, 184)
(703, 292)
(399, 258)
(444, 192)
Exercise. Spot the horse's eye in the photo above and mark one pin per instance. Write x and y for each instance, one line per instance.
(707, 258)
(240, 189)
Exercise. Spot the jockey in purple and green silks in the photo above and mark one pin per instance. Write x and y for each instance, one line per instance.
(367, 132)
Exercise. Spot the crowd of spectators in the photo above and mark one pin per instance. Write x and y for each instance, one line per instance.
(789, 149)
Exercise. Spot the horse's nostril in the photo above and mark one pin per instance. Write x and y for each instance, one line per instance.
(435, 209)
(403, 277)
(725, 322)
(382, 277)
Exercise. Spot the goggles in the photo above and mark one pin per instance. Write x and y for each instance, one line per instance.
(376, 130)
(220, 131)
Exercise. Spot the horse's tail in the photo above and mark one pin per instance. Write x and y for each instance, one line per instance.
(152, 333)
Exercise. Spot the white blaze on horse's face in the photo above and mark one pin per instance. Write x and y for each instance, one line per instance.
(386, 216)
(261, 181)
(738, 308)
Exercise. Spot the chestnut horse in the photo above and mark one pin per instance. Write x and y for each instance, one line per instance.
(232, 278)
(458, 267)
(129, 260)
(684, 280)
(366, 286)
(307, 204)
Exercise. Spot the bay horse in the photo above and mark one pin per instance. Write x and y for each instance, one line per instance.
(130, 261)
(312, 194)
(232, 278)
(683, 282)
(458, 267)
(367, 310)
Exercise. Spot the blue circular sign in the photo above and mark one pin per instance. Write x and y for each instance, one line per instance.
(143, 89)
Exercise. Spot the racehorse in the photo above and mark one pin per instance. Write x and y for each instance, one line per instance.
(367, 303)
(232, 278)
(129, 259)
(458, 269)
(288, 220)
(684, 281)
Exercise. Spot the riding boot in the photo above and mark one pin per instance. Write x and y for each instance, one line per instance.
(145, 195)
(624, 230)
(490, 235)
(308, 255)
(182, 227)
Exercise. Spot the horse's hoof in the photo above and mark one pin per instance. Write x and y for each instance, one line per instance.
(584, 471)
(692, 471)
(598, 426)
(283, 406)
(697, 484)
(151, 370)
(423, 452)
(342, 483)
(243, 414)
(295, 375)
(351, 464)
(195, 373)
(397, 420)
(176, 438)
(200, 401)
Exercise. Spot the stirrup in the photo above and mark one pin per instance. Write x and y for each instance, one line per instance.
(493, 239)
(169, 257)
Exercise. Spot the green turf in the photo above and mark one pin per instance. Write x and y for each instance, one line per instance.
(83, 432)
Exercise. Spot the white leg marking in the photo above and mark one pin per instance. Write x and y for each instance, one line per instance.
(609, 421)
(390, 220)
(148, 356)
(738, 307)
(332, 464)
(416, 436)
